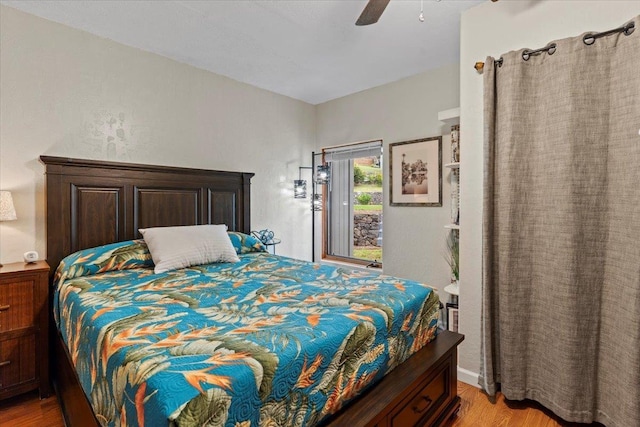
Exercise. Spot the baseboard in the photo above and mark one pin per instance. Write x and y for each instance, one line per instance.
(468, 377)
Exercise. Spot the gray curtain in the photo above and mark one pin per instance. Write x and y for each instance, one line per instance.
(561, 229)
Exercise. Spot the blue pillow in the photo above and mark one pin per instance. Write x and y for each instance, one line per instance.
(115, 256)
(244, 243)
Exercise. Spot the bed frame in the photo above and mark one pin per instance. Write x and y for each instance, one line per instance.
(91, 203)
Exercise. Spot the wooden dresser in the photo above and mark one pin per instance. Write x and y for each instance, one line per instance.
(24, 328)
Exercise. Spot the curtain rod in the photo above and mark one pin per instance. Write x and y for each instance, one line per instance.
(588, 39)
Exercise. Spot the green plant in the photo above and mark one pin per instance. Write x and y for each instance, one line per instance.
(364, 198)
(453, 254)
(358, 175)
(376, 178)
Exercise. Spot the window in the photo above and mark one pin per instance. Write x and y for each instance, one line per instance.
(352, 221)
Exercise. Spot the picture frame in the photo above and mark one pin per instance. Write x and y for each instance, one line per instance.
(415, 172)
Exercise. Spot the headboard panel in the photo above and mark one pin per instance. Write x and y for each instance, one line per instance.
(92, 203)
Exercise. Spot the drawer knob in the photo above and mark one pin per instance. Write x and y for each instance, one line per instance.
(5, 363)
(426, 401)
(4, 307)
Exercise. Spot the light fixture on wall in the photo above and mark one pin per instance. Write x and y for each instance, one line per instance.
(323, 174)
(300, 188)
(7, 209)
(300, 185)
(319, 175)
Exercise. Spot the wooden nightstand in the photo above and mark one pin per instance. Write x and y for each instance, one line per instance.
(24, 328)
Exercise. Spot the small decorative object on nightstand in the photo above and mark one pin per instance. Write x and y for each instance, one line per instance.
(24, 328)
(267, 238)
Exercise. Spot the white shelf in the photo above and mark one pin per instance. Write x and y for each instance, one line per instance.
(454, 165)
(452, 226)
(450, 117)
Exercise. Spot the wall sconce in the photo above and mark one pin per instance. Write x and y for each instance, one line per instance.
(322, 174)
(7, 209)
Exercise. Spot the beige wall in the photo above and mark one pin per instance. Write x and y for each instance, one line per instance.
(414, 237)
(493, 29)
(60, 88)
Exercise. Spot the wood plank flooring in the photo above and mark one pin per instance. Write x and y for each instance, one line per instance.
(28, 410)
(476, 411)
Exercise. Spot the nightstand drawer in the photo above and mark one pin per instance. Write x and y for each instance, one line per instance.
(24, 328)
(424, 402)
(17, 361)
(16, 305)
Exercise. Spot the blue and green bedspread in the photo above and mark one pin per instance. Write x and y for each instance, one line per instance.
(268, 341)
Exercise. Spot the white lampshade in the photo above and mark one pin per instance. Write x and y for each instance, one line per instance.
(7, 210)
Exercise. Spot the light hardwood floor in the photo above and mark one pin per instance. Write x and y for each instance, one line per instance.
(476, 411)
(28, 410)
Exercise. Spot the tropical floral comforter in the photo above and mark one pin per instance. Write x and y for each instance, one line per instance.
(268, 341)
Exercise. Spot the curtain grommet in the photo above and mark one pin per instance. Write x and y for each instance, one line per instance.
(629, 28)
(551, 49)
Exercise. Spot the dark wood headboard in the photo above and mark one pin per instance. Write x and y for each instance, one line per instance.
(92, 203)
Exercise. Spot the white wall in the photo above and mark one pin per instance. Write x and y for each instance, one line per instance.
(59, 87)
(492, 29)
(414, 237)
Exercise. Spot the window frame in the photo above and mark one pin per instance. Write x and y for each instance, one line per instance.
(326, 256)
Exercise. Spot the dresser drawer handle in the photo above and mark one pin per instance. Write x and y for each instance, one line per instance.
(4, 307)
(419, 410)
(5, 363)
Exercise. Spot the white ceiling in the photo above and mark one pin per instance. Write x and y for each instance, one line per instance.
(308, 50)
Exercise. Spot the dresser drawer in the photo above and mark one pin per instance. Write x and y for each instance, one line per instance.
(16, 305)
(423, 404)
(17, 361)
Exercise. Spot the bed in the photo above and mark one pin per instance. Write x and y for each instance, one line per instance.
(92, 203)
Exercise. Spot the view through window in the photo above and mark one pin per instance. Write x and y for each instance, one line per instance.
(353, 217)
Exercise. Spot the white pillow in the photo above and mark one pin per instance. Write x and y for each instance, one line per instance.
(178, 247)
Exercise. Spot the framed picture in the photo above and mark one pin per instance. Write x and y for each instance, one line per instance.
(415, 172)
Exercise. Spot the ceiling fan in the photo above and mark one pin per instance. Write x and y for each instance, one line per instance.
(373, 10)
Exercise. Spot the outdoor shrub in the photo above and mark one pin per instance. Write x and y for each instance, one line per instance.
(376, 178)
(364, 198)
(358, 175)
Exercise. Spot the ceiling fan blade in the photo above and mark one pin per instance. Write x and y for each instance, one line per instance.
(372, 12)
